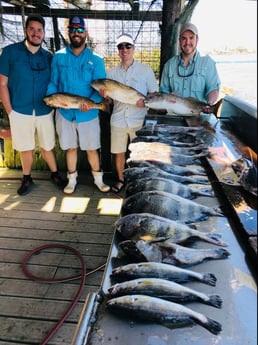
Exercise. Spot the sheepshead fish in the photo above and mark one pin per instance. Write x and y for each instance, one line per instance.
(69, 101)
(167, 167)
(118, 91)
(166, 313)
(165, 185)
(159, 250)
(149, 226)
(130, 174)
(164, 289)
(176, 105)
(168, 205)
(160, 270)
(246, 172)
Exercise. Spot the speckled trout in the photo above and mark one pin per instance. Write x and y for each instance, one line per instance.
(160, 270)
(168, 314)
(69, 101)
(118, 91)
(164, 289)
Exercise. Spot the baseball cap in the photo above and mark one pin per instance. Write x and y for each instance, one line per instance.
(76, 21)
(125, 38)
(190, 27)
(36, 18)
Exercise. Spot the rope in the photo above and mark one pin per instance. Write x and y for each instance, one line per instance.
(81, 276)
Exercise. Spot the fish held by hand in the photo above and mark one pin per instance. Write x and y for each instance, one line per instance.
(176, 105)
(70, 101)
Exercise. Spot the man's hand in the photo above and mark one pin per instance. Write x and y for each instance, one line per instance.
(85, 107)
(140, 103)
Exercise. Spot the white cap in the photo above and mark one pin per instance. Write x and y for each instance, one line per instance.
(125, 38)
(189, 27)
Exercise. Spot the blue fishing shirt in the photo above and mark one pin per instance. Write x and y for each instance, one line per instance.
(74, 74)
(28, 77)
(196, 80)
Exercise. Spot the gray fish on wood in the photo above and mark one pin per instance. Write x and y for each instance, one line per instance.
(168, 205)
(160, 270)
(166, 313)
(149, 226)
(167, 167)
(131, 174)
(164, 289)
(170, 253)
(165, 185)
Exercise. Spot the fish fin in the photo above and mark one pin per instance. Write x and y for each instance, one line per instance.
(216, 107)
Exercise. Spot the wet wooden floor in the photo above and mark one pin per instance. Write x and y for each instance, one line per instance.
(84, 221)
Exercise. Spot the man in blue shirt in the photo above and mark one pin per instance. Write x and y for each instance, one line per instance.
(73, 70)
(24, 76)
(190, 74)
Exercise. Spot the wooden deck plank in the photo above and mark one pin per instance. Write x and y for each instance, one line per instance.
(84, 221)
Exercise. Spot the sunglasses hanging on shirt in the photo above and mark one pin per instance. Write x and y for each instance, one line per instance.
(191, 71)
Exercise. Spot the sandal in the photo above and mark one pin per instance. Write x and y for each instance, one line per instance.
(117, 187)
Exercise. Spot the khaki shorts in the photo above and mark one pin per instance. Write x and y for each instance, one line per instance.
(85, 135)
(29, 130)
(120, 137)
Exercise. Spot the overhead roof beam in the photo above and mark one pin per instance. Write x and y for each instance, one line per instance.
(105, 15)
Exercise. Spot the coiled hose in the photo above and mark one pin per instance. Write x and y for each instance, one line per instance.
(81, 276)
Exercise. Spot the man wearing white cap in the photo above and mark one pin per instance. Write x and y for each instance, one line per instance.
(126, 119)
(190, 74)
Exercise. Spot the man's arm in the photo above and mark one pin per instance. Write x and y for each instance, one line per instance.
(4, 94)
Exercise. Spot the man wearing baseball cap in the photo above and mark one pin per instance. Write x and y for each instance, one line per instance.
(73, 70)
(126, 119)
(189, 74)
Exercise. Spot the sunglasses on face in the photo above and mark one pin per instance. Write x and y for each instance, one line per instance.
(74, 30)
(124, 46)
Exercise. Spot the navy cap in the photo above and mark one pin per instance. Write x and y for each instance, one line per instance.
(77, 22)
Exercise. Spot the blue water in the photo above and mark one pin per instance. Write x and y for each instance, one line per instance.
(240, 76)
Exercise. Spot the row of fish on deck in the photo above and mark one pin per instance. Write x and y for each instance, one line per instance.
(157, 222)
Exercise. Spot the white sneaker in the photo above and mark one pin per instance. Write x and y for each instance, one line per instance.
(98, 180)
(72, 182)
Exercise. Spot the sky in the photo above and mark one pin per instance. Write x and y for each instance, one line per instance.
(226, 24)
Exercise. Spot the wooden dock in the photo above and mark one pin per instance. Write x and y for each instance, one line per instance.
(84, 221)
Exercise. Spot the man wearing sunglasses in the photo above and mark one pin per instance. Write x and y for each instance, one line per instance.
(190, 74)
(126, 119)
(73, 70)
(24, 76)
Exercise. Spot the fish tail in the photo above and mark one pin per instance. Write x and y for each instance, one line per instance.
(215, 301)
(216, 107)
(105, 106)
(211, 325)
(210, 279)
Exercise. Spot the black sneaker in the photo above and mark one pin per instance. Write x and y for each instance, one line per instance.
(26, 186)
(58, 181)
